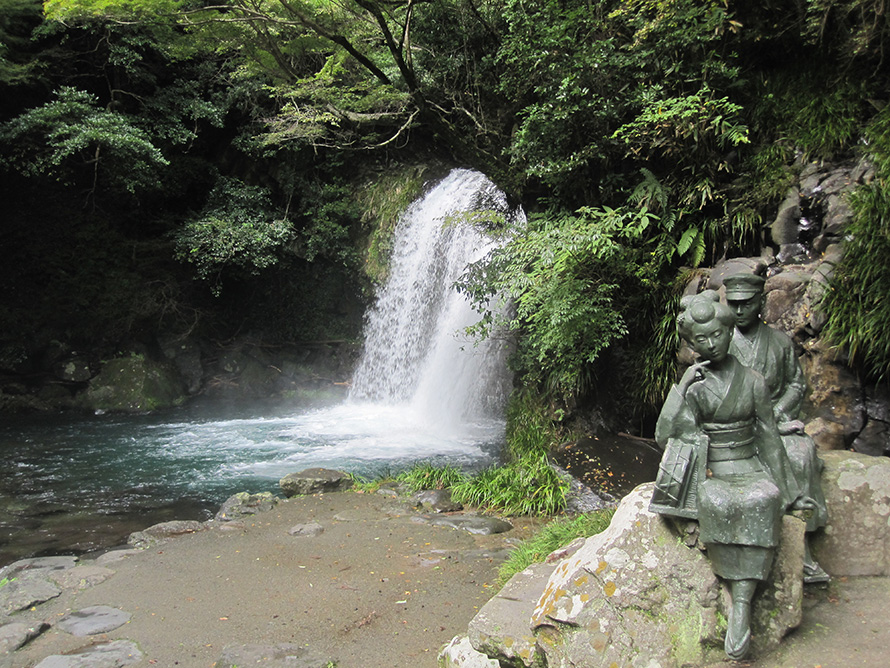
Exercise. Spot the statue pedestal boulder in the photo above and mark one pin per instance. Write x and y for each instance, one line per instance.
(634, 595)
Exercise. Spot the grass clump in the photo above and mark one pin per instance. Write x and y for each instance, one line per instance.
(528, 485)
(554, 535)
(426, 475)
(856, 302)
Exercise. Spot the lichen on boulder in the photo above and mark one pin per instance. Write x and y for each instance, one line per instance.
(641, 593)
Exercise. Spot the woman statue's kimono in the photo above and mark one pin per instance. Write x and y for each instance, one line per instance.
(739, 482)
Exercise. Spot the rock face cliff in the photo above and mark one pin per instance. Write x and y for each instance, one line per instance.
(842, 410)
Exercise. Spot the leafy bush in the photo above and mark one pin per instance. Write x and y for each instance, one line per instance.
(530, 429)
(236, 229)
(74, 139)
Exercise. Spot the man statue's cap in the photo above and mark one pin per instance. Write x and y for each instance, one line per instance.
(743, 286)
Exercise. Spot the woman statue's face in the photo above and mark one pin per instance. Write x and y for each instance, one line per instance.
(711, 340)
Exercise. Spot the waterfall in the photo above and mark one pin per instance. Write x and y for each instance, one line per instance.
(416, 353)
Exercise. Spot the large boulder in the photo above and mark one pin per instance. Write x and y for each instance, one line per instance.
(133, 384)
(856, 540)
(245, 505)
(638, 594)
(314, 481)
(159, 533)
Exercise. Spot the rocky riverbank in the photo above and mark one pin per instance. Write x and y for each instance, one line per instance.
(328, 579)
(353, 579)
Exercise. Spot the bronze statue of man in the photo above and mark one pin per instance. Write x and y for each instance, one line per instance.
(724, 462)
(771, 353)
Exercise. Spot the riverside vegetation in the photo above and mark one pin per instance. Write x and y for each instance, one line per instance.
(175, 170)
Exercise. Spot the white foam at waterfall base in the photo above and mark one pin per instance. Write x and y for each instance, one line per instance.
(422, 392)
(416, 353)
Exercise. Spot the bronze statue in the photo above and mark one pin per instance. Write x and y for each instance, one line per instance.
(771, 353)
(724, 463)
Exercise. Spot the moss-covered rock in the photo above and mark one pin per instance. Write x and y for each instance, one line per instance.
(133, 384)
(383, 202)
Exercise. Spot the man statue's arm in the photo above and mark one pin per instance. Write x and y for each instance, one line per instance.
(787, 406)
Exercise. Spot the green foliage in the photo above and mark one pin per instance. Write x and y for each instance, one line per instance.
(554, 535)
(578, 282)
(73, 135)
(17, 18)
(797, 112)
(528, 485)
(383, 202)
(530, 427)
(685, 129)
(856, 302)
(238, 228)
(426, 475)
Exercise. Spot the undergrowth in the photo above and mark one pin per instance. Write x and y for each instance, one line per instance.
(554, 535)
(856, 302)
(526, 486)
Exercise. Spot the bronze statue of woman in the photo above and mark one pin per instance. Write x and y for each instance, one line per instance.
(721, 410)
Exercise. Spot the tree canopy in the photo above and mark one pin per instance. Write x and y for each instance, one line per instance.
(221, 143)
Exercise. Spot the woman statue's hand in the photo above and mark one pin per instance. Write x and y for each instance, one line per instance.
(693, 374)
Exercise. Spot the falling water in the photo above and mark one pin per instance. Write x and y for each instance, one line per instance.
(416, 352)
(423, 392)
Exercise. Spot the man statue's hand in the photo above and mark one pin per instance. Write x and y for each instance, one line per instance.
(790, 427)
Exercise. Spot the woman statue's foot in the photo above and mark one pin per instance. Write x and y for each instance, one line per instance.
(813, 573)
(738, 632)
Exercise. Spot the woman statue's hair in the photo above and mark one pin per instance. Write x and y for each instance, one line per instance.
(702, 308)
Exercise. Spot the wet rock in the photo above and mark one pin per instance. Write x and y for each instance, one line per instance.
(27, 590)
(826, 434)
(158, 533)
(784, 227)
(310, 529)
(93, 620)
(38, 564)
(874, 439)
(314, 481)
(186, 356)
(436, 501)
(80, 577)
(856, 540)
(244, 504)
(133, 385)
(501, 629)
(836, 394)
(459, 653)
(16, 635)
(271, 656)
(72, 370)
(114, 654)
(475, 524)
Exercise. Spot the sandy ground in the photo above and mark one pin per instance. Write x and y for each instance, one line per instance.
(376, 589)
